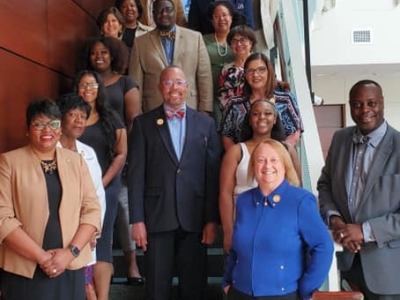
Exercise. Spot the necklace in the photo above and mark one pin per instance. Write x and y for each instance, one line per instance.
(224, 48)
(47, 166)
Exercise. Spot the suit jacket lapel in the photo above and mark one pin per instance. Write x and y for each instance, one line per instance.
(155, 39)
(178, 45)
(343, 166)
(163, 130)
(190, 128)
(378, 163)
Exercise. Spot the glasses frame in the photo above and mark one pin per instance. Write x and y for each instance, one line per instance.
(39, 125)
(171, 82)
(168, 10)
(91, 85)
(260, 70)
(243, 41)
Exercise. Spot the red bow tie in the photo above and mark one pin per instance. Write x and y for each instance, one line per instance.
(171, 113)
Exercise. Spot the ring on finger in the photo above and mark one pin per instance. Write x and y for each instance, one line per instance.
(341, 235)
(54, 271)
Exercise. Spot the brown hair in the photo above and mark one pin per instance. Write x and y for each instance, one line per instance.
(271, 74)
(102, 18)
(242, 30)
(284, 156)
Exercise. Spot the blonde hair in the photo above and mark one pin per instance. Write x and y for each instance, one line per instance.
(284, 156)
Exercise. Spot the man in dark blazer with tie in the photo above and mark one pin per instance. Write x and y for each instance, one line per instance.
(359, 194)
(173, 173)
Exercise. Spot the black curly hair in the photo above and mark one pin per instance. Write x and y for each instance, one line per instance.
(118, 52)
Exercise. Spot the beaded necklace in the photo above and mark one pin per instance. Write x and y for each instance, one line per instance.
(223, 51)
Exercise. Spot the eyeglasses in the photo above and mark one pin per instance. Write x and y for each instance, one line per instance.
(223, 16)
(53, 125)
(168, 10)
(242, 41)
(260, 70)
(171, 82)
(85, 85)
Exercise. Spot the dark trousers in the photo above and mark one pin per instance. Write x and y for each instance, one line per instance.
(234, 294)
(175, 250)
(355, 276)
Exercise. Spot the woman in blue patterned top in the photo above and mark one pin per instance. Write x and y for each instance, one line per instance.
(260, 84)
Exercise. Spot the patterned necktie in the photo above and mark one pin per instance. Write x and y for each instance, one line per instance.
(171, 113)
(168, 34)
(360, 139)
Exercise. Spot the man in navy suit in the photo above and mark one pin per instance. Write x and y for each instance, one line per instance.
(173, 173)
(359, 194)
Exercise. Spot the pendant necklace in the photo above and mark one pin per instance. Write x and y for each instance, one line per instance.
(223, 50)
(47, 166)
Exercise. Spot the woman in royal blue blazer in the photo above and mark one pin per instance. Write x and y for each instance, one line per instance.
(281, 248)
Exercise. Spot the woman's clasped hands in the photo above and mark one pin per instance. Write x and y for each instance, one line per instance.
(55, 261)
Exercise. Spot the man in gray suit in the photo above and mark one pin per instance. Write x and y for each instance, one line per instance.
(359, 194)
(168, 45)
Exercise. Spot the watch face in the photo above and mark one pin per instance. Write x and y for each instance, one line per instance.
(75, 251)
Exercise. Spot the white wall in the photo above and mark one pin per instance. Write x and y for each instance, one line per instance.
(335, 89)
(331, 39)
(337, 63)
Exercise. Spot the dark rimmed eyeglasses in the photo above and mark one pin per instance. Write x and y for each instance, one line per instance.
(242, 41)
(92, 85)
(260, 70)
(168, 10)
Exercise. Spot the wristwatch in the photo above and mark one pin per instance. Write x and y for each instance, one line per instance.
(74, 250)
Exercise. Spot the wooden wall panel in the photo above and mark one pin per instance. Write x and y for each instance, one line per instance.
(38, 43)
(329, 118)
(69, 26)
(95, 7)
(24, 28)
(26, 82)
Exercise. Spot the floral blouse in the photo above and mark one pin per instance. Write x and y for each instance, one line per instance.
(231, 83)
(237, 108)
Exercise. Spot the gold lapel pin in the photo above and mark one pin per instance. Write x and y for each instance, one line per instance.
(276, 198)
(160, 122)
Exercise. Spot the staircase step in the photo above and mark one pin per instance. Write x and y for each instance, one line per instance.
(215, 262)
(126, 292)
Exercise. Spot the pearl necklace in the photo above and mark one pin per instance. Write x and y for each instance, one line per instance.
(224, 51)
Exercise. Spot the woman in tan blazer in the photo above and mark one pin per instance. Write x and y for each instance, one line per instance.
(49, 212)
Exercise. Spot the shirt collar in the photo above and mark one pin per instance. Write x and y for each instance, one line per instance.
(166, 107)
(273, 198)
(173, 29)
(376, 136)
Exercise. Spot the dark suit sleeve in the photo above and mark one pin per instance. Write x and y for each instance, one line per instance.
(248, 11)
(136, 172)
(193, 17)
(324, 184)
(214, 152)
